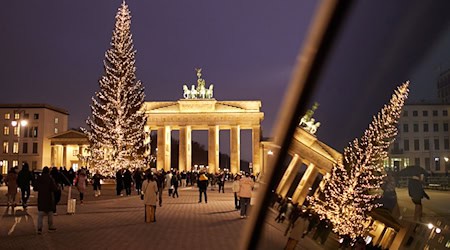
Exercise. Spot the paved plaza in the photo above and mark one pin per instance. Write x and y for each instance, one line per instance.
(112, 222)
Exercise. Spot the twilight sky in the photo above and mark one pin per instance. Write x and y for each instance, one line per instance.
(52, 52)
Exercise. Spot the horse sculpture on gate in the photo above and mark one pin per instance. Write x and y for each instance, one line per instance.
(199, 92)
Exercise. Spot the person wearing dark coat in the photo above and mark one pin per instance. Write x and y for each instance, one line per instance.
(24, 179)
(57, 178)
(127, 180)
(202, 184)
(175, 183)
(138, 179)
(416, 192)
(96, 183)
(119, 182)
(45, 186)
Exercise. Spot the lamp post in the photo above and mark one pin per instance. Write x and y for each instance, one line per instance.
(18, 124)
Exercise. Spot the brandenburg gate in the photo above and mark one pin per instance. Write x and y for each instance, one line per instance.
(200, 111)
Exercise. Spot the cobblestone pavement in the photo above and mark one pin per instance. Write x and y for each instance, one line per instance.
(112, 222)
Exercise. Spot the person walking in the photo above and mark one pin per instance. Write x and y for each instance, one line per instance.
(202, 184)
(45, 186)
(298, 229)
(96, 183)
(416, 192)
(24, 179)
(81, 184)
(11, 182)
(150, 192)
(235, 189)
(221, 182)
(160, 182)
(246, 185)
(175, 183)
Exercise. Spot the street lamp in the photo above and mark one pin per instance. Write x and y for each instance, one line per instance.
(18, 124)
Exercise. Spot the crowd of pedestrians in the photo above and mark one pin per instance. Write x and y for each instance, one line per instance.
(149, 184)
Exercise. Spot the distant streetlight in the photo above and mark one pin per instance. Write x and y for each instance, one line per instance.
(19, 124)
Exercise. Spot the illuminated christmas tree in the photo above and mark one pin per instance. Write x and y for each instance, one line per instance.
(350, 191)
(116, 131)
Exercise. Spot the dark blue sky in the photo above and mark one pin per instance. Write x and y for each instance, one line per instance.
(52, 52)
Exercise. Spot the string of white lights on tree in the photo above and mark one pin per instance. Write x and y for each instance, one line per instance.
(116, 127)
(350, 191)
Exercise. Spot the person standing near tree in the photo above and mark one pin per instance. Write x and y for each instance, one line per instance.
(24, 179)
(119, 182)
(416, 192)
(246, 185)
(96, 183)
(81, 184)
(127, 180)
(138, 178)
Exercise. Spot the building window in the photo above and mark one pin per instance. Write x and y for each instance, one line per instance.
(6, 130)
(5, 147)
(406, 145)
(435, 127)
(425, 127)
(426, 144)
(437, 164)
(405, 128)
(25, 131)
(35, 131)
(416, 127)
(416, 145)
(425, 113)
(444, 113)
(35, 147)
(417, 161)
(15, 163)
(405, 113)
(56, 120)
(16, 116)
(7, 116)
(436, 144)
(5, 167)
(415, 113)
(427, 163)
(435, 113)
(15, 148)
(56, 130)
(445, 127)
(36, 116)
(16, 130)
(25, 148)
(446, 144)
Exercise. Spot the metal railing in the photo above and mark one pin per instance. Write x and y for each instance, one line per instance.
(430, 182)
